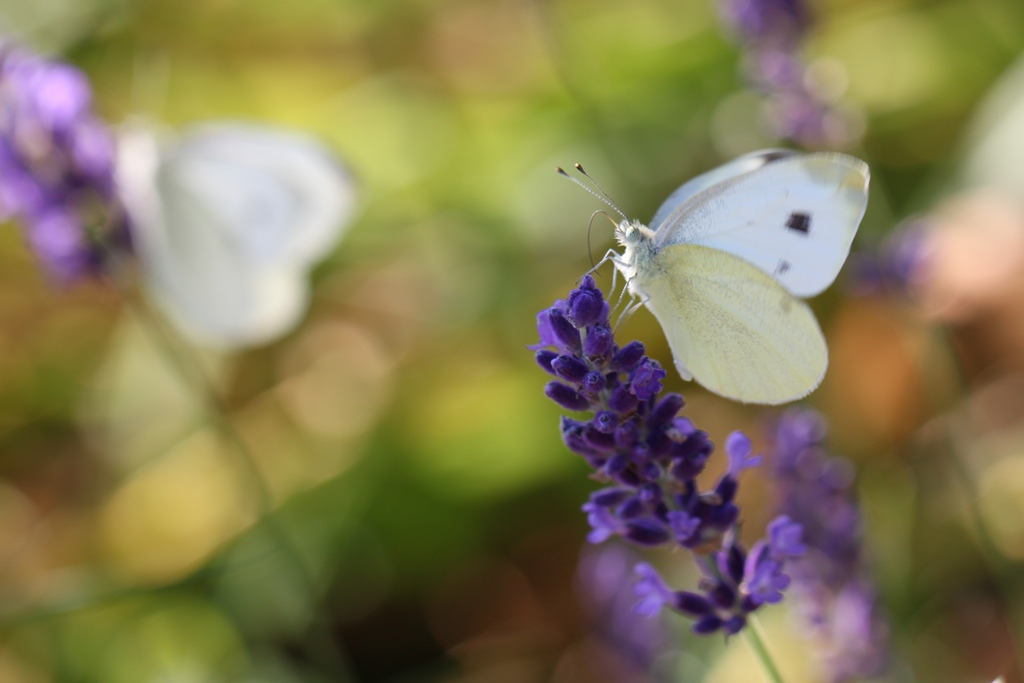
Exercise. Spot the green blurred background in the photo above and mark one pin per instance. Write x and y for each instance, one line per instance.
(411, 456)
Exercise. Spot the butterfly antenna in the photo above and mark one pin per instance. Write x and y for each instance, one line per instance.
(604, 199)
(611, 202)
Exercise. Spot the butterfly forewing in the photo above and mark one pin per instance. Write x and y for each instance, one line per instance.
(735, 329)
(736, 167)
(793, 217)
(277, 193)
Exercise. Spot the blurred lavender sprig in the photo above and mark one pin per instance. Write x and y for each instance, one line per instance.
(602, 573)
(830, 583)
(636, 441)
(56, 164)
(895, 265)
(771, 33)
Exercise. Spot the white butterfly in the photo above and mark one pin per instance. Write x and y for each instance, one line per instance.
(731, 253)
(227, 219)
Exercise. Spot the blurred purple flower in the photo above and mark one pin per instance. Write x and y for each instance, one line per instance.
(604, 576)
(830, 582)
(771, 33)
(895, 265)
(636, 441)
(767, 20)
(56, 164)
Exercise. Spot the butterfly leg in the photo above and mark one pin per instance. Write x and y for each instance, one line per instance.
(634, 305)
(622, 294)
(610, 255)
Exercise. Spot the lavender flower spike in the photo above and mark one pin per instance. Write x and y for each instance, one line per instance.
(830, 581)
(56, 165)
(651, 458)
(771, 33)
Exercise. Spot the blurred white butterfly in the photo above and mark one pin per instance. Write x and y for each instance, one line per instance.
(731, 253)
(227, 219)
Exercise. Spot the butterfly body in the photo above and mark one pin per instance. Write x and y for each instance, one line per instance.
(733, 253)
(638, 252)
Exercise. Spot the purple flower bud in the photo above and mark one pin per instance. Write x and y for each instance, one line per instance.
(617, 464)
(628, 357)
(626, 435)
(650, 471)
(586, 305)
(570, 368)
(599, 341)
(544, 358)
(685, 470)
(750, 604)
(622, 400)
(684, 426)
(608, 496)
(650, 494)
(640, 453)
(723, 516)
(659, 442)
(545, 331)
(731, 562)
(598, 439)
(723, 595)
(607, 422)
(566, 396)
(646, 379)
(631, 508)
(593, 384)
(665, 410)
(707, 625)
(734, 625)
(627, 477)
(784, 538)
(573, 436)
(692, 604)
(646, 532)
(568, 336)
(683, 525)
(727, 488)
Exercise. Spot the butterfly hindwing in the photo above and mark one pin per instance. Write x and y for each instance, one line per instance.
(732, 327)
(794, 217)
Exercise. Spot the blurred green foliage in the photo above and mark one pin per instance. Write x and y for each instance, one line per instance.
(402, 428)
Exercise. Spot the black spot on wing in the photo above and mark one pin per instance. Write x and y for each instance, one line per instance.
(776, 154)
(783, 268)
(799, 222)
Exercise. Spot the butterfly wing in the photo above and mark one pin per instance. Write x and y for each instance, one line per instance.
(794, 217)
(732, 327)
(736, 167)
(224, 235)
(279, 195)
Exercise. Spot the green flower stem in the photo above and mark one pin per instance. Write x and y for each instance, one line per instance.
(183, 360)
(188, 366)
(1003, 570)
(756, 641)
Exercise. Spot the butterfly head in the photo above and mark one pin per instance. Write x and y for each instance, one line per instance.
(630, 233)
